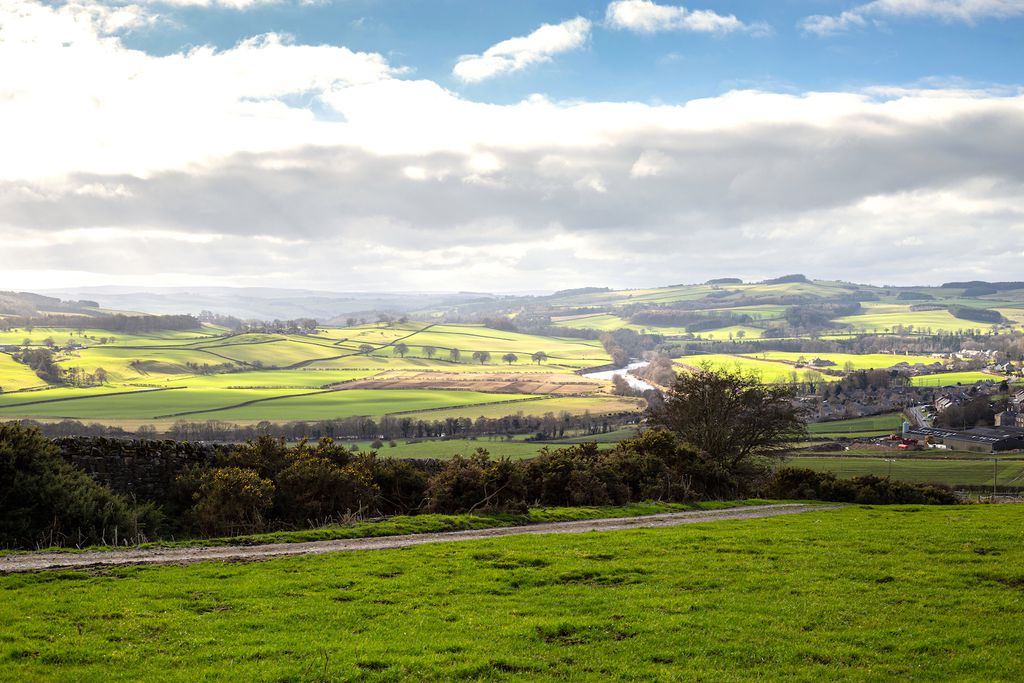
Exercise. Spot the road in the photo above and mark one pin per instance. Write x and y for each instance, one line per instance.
(40, 561)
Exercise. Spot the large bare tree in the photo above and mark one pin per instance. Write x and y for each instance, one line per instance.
(732, 417)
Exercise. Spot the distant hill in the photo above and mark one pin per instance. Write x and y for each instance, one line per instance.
(263, 303)
(28, 304)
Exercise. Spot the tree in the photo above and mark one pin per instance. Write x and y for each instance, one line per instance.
(45, 500)
(481, 356)
(510, 358)
(454, 355)
(429, 351)
(401, 349)
(101, 375)
(539, 357)
(731, 417)
(365, 348)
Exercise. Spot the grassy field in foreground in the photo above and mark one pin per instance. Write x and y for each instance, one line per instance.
(950, 472)
(859, 593)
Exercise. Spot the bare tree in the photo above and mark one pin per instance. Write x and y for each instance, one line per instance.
(732, 417)
(454, 355)
(429, 351)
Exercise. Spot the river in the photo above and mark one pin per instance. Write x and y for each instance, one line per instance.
(634, 382)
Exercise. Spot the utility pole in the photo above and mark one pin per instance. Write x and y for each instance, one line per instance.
(995, 473)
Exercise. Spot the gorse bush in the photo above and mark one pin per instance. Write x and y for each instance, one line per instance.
(45, 501)
(792, 482)
(267, 485)
(232, 500)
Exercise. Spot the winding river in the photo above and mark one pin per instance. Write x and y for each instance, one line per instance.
(634, 382)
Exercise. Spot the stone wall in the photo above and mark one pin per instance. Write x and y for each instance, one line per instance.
(144, 470)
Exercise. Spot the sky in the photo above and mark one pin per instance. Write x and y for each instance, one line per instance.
(489, 145)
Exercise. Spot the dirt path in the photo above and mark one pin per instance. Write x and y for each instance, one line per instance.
(31, 562)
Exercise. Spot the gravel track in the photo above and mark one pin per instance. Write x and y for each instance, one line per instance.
(40, 561)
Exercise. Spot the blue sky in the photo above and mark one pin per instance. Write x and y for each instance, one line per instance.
(505, 146)
(427, 36)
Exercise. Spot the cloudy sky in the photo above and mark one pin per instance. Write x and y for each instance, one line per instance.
(508, 146)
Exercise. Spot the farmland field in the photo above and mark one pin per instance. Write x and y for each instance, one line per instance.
(768, 371)
(333, 404)
(15, 376)
(940, 471)
(885, 317)
(865, 361)
(861, 593)
(945, 379)
(271, 376)
(597, 405)
(874, 424)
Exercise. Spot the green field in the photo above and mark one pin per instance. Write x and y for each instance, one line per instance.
(516, 448)
(945, 379)
(261, 376)
(861, 593)
(858, 426)
(882, 318)
(576, 405)
(61, 335)
(609, 322)
(14, 376)
(82, 404)
(768, 371)
(950, 472)
(371, 402)
(864, 361)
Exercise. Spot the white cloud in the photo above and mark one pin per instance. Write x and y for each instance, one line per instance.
(229, 4)
(211, 165)
(965, 11)
(97, 105)
(645, 16)
(516, 54)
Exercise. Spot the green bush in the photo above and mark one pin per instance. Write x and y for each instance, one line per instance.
(46, 501)
(797, 483)
(313, 489)
(232, 500)
(477, 483)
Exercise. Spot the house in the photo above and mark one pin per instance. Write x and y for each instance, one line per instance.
(1009, 418)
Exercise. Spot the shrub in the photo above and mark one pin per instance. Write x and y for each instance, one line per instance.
(46, 501)
(477, 483)
(314, 489)
(401, 487)
(232, 500)
(791, 482)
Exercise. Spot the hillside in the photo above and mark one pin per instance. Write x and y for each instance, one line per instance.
(417, 370)
(862, 593)
(798, 308)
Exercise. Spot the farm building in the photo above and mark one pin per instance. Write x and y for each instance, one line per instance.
(987, 440)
